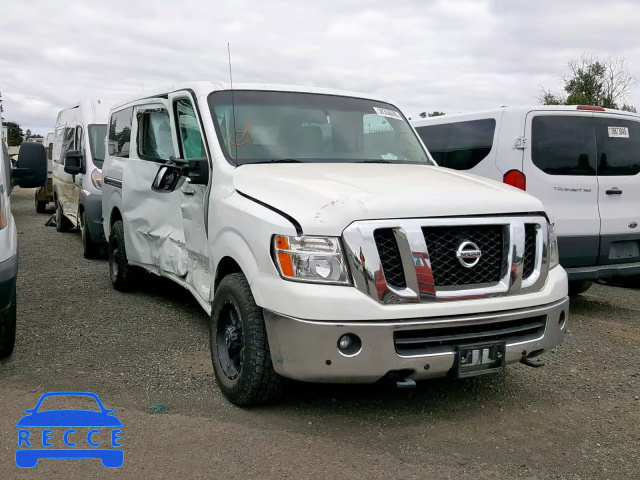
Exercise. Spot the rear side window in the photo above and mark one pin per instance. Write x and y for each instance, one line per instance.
(459, 145)
(120, 133)
(618, 146)
(154, 130)
(564, 145)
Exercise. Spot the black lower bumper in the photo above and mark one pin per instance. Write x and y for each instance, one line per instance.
(603, 271)
(8, 276)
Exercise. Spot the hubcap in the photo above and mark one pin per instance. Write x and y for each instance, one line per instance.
(230, 341)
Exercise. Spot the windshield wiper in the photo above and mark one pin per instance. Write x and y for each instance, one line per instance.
(376, 161)
(281, 160)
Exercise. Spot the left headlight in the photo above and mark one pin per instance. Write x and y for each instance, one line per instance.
(554, 259)
(96, 178)
(3, 210)
(310, 259)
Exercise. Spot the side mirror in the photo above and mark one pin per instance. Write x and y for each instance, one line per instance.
(199, 171)
(73, 164)
(31, 168)
(168, 179)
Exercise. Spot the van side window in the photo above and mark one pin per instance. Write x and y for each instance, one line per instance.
(618, 146)
(459, 145)
(563, 145)
(79, 140)
(154, 136)
(120, 132)
(189, 135)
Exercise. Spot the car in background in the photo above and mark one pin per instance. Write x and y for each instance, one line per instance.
(78, 154)
(582, 162)
(29, 172)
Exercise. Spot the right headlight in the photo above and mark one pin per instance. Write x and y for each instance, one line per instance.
(96, 178)
(554, 259)
(310, 259)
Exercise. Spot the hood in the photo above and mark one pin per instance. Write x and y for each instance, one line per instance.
(326, 198)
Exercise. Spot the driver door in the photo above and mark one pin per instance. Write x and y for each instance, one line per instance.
(192, 145)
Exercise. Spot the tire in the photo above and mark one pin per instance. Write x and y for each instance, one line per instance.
(89, 248)
(578, 287)
(241, 359)
(120, 272)
(8, 329)
(62, 222)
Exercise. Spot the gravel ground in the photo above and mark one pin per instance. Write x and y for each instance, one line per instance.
(577, 418)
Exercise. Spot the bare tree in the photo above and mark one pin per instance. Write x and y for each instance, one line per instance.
(617, 80)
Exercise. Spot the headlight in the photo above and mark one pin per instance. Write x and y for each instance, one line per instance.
(554, 259)
(96, 178)
(310, 259)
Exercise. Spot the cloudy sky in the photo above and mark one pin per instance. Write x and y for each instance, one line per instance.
(425, 55)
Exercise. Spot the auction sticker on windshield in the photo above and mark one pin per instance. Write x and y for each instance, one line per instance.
(618, 132)
(87, 431)
(385, 112)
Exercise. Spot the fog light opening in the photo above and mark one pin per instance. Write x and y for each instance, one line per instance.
(562, 321)
(349, 345)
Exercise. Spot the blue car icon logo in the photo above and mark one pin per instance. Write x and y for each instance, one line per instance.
(83, 433)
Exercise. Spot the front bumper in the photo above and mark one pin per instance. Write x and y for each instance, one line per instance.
(603, 271)
(93, 210)
(8, 276)
(307, 350)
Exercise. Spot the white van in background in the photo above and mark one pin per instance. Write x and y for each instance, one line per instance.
(78, 155)
(583, 162)
(316, 230)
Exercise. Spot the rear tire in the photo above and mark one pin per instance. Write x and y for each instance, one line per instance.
(120, 272)
(89, 248)
(239, 346)
(578, 287)
(62, 222)
(8, 329)
(41, 207)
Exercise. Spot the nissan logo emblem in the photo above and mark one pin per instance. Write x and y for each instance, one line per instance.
(468, 254)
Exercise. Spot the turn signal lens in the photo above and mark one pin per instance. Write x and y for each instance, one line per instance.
(96, 178)
(310, 259)
(515, 178)
(554, 259)
(3, 211)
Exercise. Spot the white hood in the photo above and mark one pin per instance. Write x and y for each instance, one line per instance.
(325, 198)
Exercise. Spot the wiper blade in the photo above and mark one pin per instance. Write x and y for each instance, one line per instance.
(281, 160)
(376, 161)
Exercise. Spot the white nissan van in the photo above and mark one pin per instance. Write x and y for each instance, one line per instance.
(323, 240)
(583, 162)
(78, 154)
(30, 172)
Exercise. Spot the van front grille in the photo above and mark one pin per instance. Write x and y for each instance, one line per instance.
(530, 235)
(390, 258)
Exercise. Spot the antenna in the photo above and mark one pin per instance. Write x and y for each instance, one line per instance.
(232, 139)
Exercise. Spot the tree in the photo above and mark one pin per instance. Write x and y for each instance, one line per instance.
(629, 108)
(27, 134)
(14, 133)
(1, 107)
(593, 81)
(432, 114)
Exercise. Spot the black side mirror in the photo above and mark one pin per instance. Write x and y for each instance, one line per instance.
(168, 178)
(199, 171)
(73, 163)
(31, 168)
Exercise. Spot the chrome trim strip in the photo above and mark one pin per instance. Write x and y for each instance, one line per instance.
(114, 182)
(368, 275)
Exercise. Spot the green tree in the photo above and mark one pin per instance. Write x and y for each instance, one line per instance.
(27, 134)
(629, 108)
(14, 133)
(593, 81)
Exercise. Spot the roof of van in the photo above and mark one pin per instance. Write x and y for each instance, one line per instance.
(93, 110)
(206, 87)
(523, 108)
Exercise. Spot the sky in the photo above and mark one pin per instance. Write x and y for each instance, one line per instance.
(424, 55)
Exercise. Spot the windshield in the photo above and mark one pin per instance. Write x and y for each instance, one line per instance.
(284, 126)
(97, 134)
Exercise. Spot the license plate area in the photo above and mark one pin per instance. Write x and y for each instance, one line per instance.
(480, 359)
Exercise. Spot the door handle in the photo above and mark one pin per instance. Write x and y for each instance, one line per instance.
(189, 192)
(614, 191)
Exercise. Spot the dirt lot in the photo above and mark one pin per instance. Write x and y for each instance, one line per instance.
(577, 418)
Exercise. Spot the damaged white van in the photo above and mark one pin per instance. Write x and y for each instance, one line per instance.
(326, 245)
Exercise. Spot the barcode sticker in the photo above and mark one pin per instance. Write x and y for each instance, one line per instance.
(618, 132)
(385, 112)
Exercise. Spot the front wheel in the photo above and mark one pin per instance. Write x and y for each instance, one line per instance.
(239, 346)
(8, 329)
(62, 222)
(578, 287)
(120, 272)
